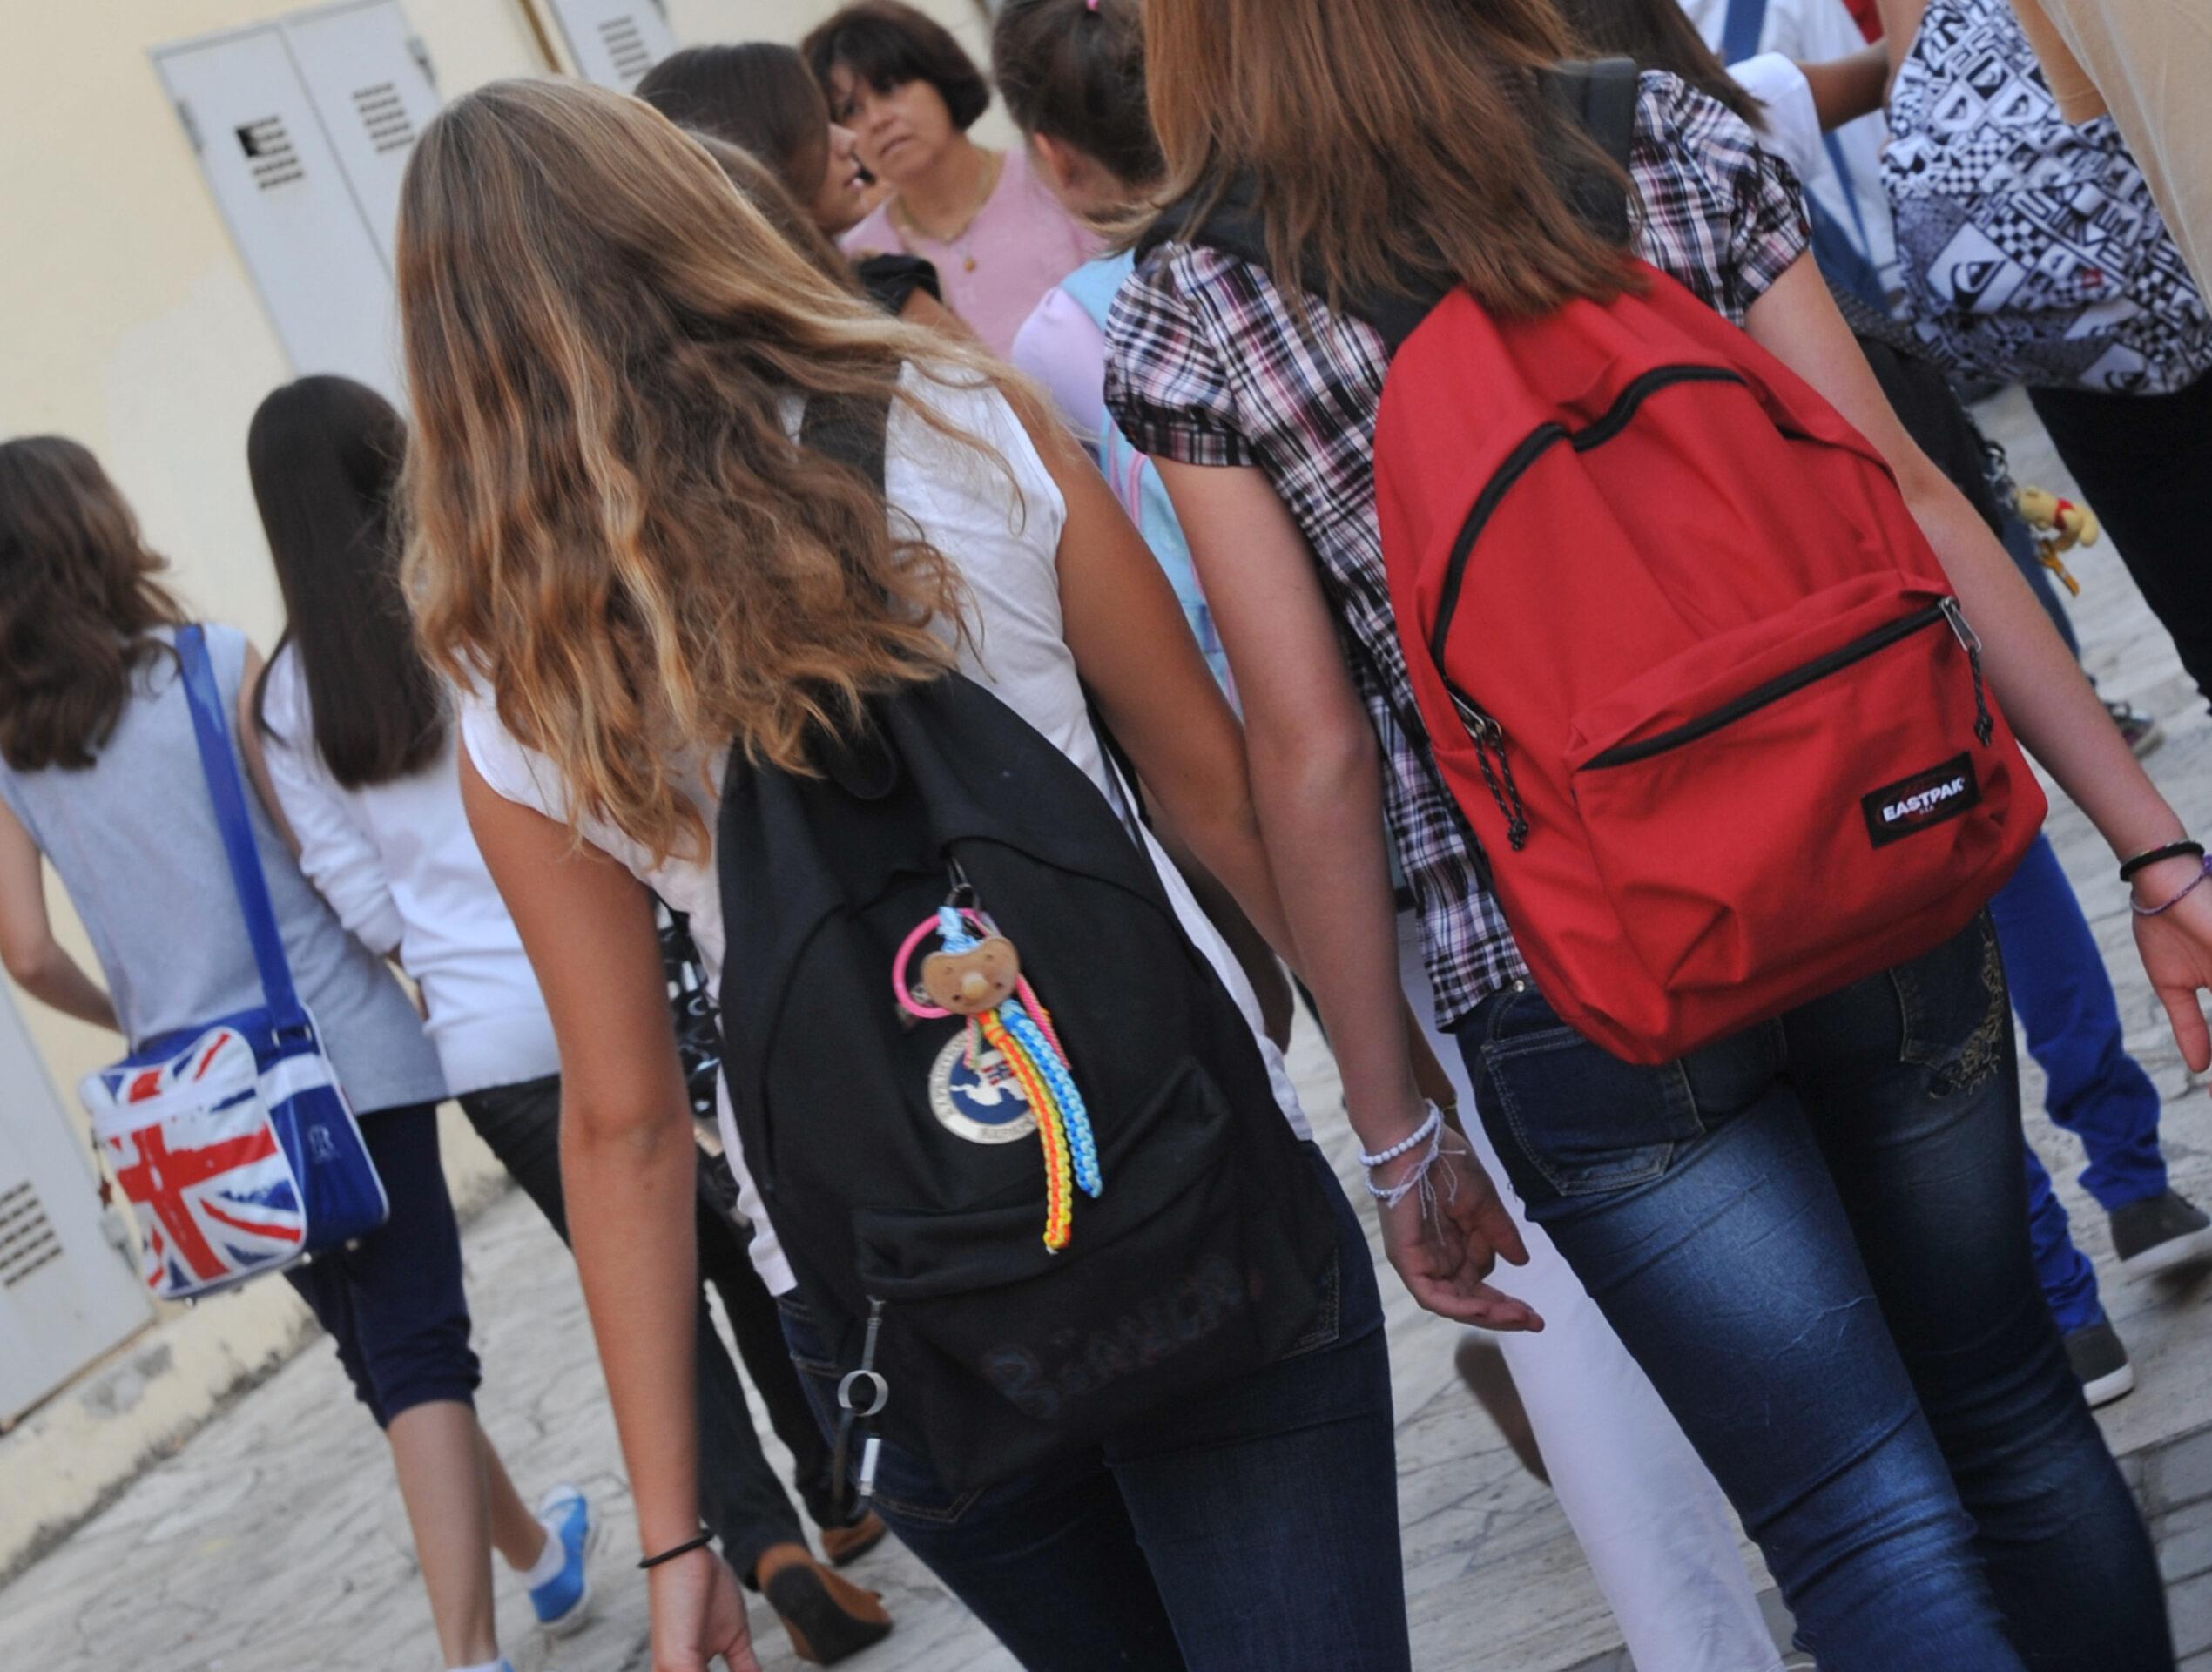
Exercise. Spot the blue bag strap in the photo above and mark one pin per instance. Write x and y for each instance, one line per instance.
(218, 762)
(1842, 255)
(1740, 34)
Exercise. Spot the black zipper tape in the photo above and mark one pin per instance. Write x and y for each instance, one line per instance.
(1773, 690)
(1539, 442)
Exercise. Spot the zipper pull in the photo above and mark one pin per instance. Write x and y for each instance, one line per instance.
(963, 896)
(860, 1397)
(1488, 737)
(1480, 725)
(1970, 641)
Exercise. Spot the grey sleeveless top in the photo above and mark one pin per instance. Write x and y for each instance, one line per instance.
(134, 839)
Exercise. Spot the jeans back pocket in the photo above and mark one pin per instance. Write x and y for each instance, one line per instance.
(1582, 1120)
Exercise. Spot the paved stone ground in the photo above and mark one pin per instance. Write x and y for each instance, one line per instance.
(275, 1540)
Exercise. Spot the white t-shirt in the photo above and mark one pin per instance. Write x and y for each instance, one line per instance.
(398, 864)
(1813, 31)
(1790, 124)
(1008, 553)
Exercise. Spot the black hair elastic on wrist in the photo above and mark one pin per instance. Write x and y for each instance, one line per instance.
(2143, 862)
(686, 1548)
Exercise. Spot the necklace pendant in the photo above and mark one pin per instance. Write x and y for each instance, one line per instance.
(969, 264)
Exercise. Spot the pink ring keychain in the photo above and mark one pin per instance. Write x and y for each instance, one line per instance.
(904, 991)
(904, 962)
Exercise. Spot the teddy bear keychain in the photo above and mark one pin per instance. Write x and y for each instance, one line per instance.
(976, 973)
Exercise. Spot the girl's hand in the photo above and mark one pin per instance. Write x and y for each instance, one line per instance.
(2176, 948)
(1445, 1240)
(697, 1613)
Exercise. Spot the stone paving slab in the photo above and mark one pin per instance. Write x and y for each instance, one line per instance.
(275, 1540)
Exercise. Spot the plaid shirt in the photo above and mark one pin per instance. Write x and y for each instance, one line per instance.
(1206, 366)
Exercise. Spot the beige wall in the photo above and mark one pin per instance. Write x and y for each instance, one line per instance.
(126, 318)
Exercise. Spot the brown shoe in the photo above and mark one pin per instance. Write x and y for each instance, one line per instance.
(826, 1617)
(1482, 1367)
(844, 1544)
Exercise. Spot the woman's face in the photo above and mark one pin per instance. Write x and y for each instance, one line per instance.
(847, 194)
(902, 134)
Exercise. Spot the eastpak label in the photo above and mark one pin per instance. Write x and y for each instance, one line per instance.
(1914, 804)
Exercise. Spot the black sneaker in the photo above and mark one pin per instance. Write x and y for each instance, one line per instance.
(2142, 732)
(2159, 1233)
(2101, 1363)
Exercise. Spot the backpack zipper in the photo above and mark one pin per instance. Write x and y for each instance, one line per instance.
(1808, 673)
(1488, 737)
(856, 1416)
(1539, 442)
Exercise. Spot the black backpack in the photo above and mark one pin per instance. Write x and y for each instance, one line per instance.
(912, 1207)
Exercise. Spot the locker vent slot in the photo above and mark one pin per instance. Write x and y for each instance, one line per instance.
(384, 116)
(27, 1236)
(626, 47)
(270, 156)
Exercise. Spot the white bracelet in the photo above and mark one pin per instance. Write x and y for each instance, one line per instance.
(1421, 1135)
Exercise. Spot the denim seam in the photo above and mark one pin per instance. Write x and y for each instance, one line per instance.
(1981, 1052)
(1330, 1321)
(1493, 1053)
(950, 1515)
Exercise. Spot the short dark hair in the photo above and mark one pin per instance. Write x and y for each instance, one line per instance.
(1074, 71)
(325, 454)
(759, 96)
(887, 44)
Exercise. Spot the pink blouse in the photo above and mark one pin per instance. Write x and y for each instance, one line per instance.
(1020, 244)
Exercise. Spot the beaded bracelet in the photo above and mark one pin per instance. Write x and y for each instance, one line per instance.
(686, 1548)
(2143, 861)
(1419, 1136)
(2160, 911)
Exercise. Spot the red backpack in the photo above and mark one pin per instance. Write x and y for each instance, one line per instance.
(1684, 659)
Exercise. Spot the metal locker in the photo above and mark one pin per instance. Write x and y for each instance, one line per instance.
(299, 223)
(67, 1295)
(614, 42)
(369, 78)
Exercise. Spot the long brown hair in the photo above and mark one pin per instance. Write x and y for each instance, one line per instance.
(611, 522)
(1384, 137)
(80, 597)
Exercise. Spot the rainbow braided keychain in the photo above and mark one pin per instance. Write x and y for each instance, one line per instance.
(976, 973)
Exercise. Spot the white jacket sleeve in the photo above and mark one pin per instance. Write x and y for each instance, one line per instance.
(335, 850)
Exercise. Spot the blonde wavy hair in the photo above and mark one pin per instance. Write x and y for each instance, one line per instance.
(609, 524)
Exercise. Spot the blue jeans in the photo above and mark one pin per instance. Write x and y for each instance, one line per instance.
(2064, 999)
(1812, 1237)
(1250, 1531)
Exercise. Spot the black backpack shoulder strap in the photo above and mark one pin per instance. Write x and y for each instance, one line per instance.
(852, 429)
(1230, 223)
(855, 431)
(1599, 95)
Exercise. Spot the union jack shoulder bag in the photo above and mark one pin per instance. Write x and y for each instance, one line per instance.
(232, 1141)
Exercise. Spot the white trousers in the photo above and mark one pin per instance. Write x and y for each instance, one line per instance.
(1650, 1516)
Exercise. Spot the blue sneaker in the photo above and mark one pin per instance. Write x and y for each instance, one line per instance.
(563, 1602)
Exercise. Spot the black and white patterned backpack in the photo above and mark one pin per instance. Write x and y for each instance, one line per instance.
(2032, 249)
